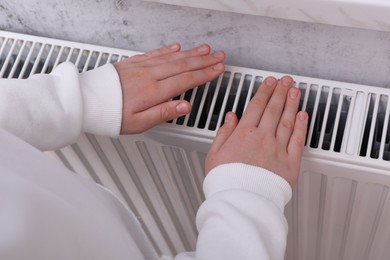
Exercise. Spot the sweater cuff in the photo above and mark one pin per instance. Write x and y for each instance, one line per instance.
(239, 176)
(102, 96)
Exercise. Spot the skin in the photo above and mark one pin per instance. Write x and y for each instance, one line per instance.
(271, 134)
(149, 80)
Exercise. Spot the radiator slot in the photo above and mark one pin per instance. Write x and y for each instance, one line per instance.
(376, 132)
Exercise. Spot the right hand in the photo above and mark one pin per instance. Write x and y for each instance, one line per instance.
(270, 134)
(151, 79)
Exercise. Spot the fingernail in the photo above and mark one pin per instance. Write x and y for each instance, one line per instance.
(174, 46)
(203, 49)
(293, 93)
(287, 81)
(182, 108)
(302, 116)
(219, 54)
(228, 118)
(219, 67)
(270, 81)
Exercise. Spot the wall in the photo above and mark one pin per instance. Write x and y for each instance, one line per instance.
(308, 49)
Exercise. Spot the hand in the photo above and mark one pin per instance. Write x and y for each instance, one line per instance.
(149, 80)
(270, 134)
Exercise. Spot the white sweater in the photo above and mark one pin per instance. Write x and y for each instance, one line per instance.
(47, 212)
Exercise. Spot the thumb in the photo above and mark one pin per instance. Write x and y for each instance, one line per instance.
(223, 135)
(224, 132)
(163, 112)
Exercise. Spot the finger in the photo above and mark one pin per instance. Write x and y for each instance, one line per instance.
(175, 47)
(256, 106)
(297, 140)
(275, 106)
(287, 121)
(162, 113)
(179, 84)
(203, 49)
(177, 67)
(224, 132)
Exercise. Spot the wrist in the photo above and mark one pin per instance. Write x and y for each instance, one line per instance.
(102, 95)
(249, 178)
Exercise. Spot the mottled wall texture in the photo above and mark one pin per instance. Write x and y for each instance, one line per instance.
(307, 49)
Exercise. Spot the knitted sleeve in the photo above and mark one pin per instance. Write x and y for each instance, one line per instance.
(50, 111)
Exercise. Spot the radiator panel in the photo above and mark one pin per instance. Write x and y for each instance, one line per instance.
(340, 208)
(339, 211)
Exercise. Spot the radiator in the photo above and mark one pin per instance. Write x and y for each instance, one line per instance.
(340, 208)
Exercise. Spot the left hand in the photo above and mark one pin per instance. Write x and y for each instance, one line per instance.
(149, 80)
(271, 134)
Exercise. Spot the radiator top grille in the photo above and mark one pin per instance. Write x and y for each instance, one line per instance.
(330, 104)
(20, 58)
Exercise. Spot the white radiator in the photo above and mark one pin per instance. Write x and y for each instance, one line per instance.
(340, 208)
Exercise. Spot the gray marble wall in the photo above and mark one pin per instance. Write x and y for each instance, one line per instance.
(330, 52)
